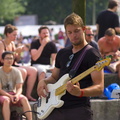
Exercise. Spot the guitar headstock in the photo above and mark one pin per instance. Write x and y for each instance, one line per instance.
(102, 63)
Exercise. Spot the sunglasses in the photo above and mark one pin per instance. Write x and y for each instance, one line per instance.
(90, 35)
(70, 60)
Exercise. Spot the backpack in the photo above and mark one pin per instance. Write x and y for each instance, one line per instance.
(14, 115)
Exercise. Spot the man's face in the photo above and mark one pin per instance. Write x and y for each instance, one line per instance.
(109, 39)
(44, 33)
(8, 60)
(75, 34)
(89, 35)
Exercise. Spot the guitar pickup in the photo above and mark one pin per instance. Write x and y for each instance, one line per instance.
(39, 102)
(48, 96)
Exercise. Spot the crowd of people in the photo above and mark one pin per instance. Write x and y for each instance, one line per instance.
(31, 59)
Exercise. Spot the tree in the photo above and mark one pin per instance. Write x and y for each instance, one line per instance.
(92, 11)
(9, 9)
(55, 10)
(79, 7)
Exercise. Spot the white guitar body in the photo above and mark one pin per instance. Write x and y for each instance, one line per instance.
(48, 104)
(57, 90)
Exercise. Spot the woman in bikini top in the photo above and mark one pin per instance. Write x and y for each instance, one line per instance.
(5, 49)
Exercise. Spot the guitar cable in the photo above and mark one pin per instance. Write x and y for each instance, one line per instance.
(33, 111)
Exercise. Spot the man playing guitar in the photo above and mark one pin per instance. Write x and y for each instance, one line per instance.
(77, 98)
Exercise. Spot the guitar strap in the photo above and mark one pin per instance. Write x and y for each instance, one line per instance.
(78, 61)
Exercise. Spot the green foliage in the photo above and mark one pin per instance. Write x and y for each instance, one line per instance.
(9, 9)
(46, 10)
(57, 10)
(99, 6)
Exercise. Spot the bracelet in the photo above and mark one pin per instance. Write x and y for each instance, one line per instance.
(82, 92)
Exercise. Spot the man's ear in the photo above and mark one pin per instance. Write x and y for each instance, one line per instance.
(84, 28)
(2, 60)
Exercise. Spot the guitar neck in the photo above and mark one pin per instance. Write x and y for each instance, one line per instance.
(62, 88)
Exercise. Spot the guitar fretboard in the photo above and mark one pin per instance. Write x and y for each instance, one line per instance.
(99, 66)
(62, 88)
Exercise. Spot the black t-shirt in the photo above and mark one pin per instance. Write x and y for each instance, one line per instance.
(94, 44)
(106, 19)
(89, 60)
(49, 49)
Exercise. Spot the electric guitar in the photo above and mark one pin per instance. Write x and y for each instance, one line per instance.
(57, 90)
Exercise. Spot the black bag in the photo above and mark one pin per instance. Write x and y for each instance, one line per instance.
(14, 115)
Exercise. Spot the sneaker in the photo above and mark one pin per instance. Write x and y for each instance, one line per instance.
(115, 93)
(112, 67)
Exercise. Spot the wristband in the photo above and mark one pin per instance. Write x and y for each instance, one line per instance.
(82, 92)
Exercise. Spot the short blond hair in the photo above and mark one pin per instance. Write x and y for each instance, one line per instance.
(73, 19)
(110, 32)
(88, 28)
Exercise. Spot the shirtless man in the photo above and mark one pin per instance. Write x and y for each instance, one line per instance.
(110, 45)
